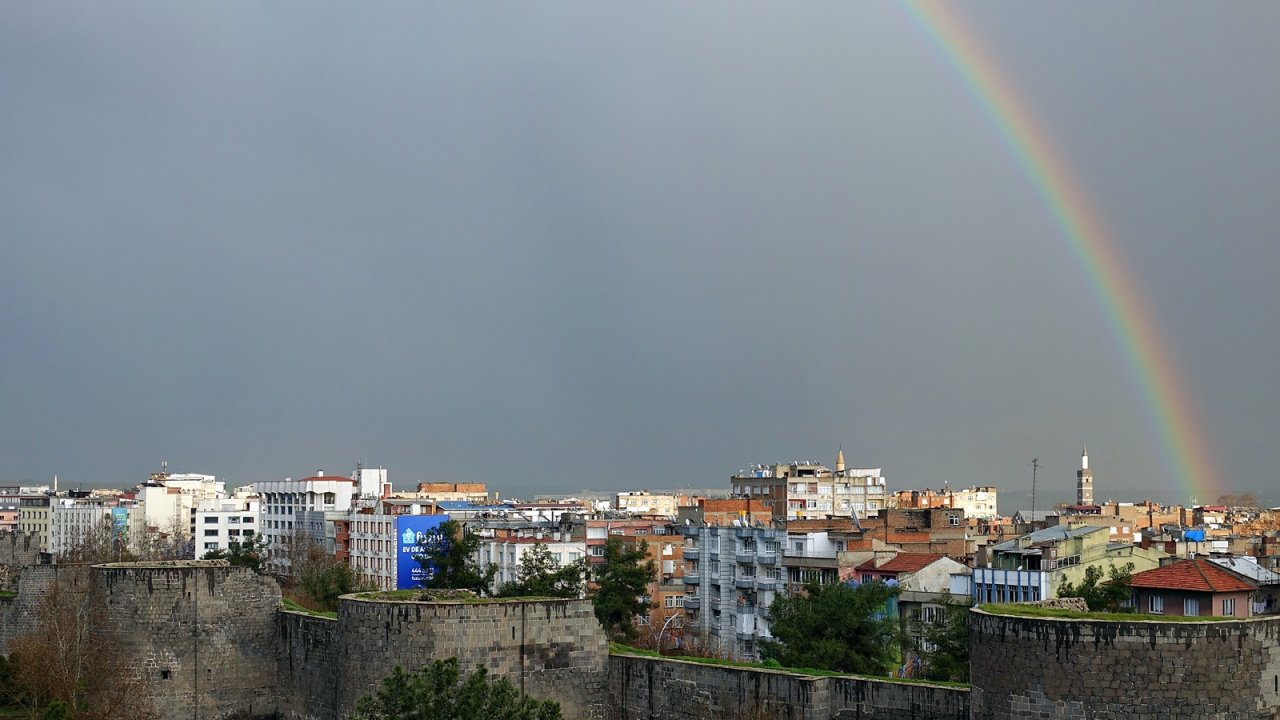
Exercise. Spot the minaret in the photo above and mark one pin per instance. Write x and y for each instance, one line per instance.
(1084, 480)
(840, 460)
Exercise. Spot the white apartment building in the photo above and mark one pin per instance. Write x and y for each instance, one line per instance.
(505, 553)
(70, 520)
(221, 521)
(283, 500)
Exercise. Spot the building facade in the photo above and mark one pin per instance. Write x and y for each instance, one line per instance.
(808, 490)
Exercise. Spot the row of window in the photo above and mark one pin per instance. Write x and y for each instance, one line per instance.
(1190, 606)
(231, 520)
(213, 532)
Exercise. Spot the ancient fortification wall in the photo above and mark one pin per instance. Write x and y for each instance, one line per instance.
(1114, 670)
(18, 549)
(664, 689)
(201, 634)
(308, 679)
(19, 615)
(550, 649)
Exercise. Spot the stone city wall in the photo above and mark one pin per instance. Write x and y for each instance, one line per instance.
(201, 634)
(20, 614)
(1123, 670)
(308, 667)
(18, 549)
(649, 688)
(549, 649)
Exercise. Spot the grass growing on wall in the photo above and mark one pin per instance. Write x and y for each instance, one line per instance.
(295, 607)
(1020, 610)
(7, 595)
(620, 649)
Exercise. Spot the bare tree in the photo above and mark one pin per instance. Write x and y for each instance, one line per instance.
(63, 660)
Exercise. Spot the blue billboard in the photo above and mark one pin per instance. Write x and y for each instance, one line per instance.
(414, 535)
(120, 521)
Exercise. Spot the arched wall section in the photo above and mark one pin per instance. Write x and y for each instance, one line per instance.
(1102, 670)
(201, 634)
(550, 649)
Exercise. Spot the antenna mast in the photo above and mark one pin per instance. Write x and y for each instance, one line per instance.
(1035, 466)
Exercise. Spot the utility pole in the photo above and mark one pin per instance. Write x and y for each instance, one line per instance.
(1035, 466)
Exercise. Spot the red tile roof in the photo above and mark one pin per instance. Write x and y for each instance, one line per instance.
(1196, 575)
(902, 563)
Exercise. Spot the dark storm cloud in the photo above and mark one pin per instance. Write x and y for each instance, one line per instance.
(572, 246)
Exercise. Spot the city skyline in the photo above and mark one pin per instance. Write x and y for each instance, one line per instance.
(564, 247)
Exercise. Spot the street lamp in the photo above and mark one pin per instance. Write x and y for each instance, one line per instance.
(664, 629)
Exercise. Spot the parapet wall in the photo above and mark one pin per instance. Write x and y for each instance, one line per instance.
(1102, 670)
(20, 614)
(549, 649)
(200, 634)
(649, 688)
(18, 549)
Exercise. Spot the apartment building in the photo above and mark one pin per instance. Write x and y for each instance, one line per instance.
(731, 576)
(218, 522)
(33, 518)
(1032, 567)
(810, 490)
(283, 501)
(72, 519)
(977, 501)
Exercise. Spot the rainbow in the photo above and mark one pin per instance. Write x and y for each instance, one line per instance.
(1186, 452)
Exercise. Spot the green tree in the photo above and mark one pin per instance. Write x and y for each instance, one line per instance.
(945, 650)
(622, 584)
(835, 627)
(540, 575)
(438, 691)
(1102, 596)
(251, 553)
(449, 561)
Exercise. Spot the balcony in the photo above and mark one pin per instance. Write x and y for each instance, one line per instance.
(744, 531)
(766, 583)
(692, 602)
(763, 559)
(692, 579)
(745, 558)
(745, 583)
(689, 530)
(761, 610)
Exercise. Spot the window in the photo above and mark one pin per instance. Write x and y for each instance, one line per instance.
(597, 551)
(233, 533)
(248, 532)
(1191, 606)
(953, 519)
(211, 519)
(212, 532)
(1157, 604)
(247, 520)
(1228, 607)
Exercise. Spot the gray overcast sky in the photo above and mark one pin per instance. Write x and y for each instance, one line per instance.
(552, 246)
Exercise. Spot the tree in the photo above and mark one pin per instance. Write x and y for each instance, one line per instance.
(101, 542)
(449, 561)
(1102, 596)
(66, 669)
(945, 650)
(622, 584)
(316, 578)
(540, 575)
(251, 553)
(835, 627)
(437, 691)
